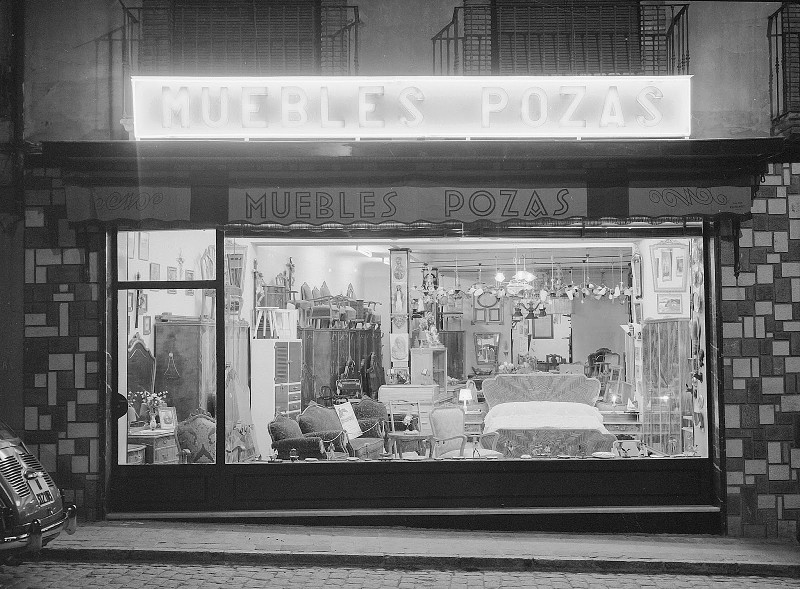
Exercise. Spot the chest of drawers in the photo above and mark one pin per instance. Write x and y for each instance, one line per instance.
(160, 446)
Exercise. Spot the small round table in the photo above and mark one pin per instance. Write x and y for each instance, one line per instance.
(410, 436)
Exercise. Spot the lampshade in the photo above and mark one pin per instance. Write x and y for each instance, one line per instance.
(465, 395)
(517, 316)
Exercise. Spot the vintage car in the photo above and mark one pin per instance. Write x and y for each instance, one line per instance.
(32, 509)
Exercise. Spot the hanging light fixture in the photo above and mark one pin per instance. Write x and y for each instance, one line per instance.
(516, 317)
(498, 276)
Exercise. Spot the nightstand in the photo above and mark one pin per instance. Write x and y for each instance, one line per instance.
(473, 418)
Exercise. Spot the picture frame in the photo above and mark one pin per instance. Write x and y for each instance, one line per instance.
(399, 374)
(669, 304)
(147, 324)
(130, 301)
(398, 344)
(131, 245)
(189, 275)
(669, 266)
(172, 276)
(155, 271)
(144, 245)
(142, 307)
(167, 418)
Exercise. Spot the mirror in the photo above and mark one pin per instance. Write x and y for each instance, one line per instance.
(486, 345)
(141, 367)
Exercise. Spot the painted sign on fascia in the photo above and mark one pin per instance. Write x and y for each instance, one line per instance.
(646, 200)
(412, 107)
(403, 204)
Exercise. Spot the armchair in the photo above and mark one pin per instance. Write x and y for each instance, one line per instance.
(197, 437)
(449, 439)
(286, 435)
(372, 417)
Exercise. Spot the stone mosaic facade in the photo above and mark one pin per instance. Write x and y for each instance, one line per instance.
(761, 338)
(63, 324)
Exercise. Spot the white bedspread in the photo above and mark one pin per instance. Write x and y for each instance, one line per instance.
(544, 415)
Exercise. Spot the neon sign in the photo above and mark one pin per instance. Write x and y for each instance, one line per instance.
(411, 107)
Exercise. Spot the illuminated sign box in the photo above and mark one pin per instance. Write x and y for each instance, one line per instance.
(411, 107)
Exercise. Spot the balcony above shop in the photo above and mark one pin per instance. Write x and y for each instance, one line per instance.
(784, 71)
(561, 37)
(233, 38)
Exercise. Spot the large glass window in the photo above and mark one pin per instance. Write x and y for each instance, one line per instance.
(414, 349)
(467, 349)
(167, 347)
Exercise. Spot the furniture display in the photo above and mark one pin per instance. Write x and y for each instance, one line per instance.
(136, 454)
(289, 442)
(425, 395)
(326, 352)
(372, 418)
(524, 420)
(275, 387)
(455, 342)
(197, 437)
(185, 352)
(323, 422)
(429, 366)
(450, 437)
(160, 446)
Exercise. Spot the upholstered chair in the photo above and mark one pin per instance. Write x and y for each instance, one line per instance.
(287, 436)
(449, 439)
(323, 422)
(372, 418)
(197, 437)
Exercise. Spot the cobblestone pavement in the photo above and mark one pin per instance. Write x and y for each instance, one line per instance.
(44, 575)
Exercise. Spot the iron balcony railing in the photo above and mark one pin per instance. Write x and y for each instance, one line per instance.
(237, 37)
(564, 38)
(783, 33)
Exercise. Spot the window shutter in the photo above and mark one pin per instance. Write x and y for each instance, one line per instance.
(569, 37)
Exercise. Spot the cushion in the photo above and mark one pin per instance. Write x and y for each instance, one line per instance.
(316, 418)
(368, 408)
(282, 427)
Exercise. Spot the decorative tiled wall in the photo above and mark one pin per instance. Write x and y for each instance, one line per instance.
(61, 351)
(761, 338)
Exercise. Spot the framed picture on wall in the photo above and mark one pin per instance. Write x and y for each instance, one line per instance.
(670, 266)
(669, 304)
(130, 301)
(142, 303)
(147, 324)
(131, 245)
(155, 271)
(144, 246)
(172, 275)
(189, 274)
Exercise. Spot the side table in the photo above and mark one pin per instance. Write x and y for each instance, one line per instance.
(414, 436)
(160, 445)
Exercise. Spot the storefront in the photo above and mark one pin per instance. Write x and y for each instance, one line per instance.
(530, 308)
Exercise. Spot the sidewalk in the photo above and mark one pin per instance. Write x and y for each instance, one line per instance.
(398, 547)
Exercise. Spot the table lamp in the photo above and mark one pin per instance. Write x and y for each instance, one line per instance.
(465, 395)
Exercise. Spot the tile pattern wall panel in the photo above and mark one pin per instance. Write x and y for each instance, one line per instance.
(63, 314)
(761, 331)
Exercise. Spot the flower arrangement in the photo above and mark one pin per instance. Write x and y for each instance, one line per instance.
(410, 421)
(150, 402)
(509, 368)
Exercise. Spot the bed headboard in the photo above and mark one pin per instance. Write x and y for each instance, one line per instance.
(540, 386)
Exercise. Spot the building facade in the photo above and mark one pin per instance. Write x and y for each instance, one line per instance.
(77, 107)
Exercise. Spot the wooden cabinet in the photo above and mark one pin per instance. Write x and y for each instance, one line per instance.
(454, 341)
(185, 351)
(326, 351)
(429, 366)
(160, 446)
(274, 383)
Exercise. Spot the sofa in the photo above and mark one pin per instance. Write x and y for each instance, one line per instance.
(318, 432)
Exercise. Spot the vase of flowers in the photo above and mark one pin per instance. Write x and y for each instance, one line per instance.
(148, 404)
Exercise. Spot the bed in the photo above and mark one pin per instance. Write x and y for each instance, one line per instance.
(542, 413)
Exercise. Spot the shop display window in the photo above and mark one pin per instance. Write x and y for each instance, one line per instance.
(431, 349)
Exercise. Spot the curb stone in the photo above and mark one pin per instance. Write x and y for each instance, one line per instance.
(408, 561)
